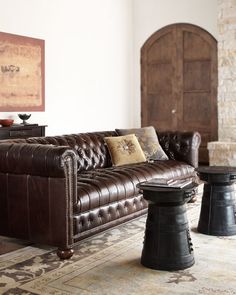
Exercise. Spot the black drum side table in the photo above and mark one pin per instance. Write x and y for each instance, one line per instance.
(218, 209)
(167, 242)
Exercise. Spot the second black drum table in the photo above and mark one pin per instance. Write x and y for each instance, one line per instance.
(218, 209)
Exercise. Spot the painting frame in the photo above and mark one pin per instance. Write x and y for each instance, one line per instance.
(22, 73)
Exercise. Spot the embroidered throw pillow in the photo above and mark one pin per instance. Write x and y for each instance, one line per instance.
(125, 150)
(148, 140)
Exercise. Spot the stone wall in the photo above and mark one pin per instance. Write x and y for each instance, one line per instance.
(227, 70)
(222, 153)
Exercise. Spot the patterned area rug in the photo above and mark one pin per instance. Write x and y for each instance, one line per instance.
(109, 263)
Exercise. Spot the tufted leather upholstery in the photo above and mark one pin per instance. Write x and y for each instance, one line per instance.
(58, 190)
(89, 147)
(111, 193)
(181, 146)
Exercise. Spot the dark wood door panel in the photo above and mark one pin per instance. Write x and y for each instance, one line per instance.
(160, 111)
(197, 110)
(197, 75)
(196, 43)
(159, 78)
(161, 51)
(157, 75)
(179, 82)
(203, 155)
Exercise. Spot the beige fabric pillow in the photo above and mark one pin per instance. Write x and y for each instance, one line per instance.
(125, 150)
(148, 140)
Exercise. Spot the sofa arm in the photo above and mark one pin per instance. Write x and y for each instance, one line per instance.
(38, 189)
(35, 159)
(181, 146)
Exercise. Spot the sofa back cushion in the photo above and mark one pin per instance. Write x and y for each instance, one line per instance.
(92, 150)
(90, 147)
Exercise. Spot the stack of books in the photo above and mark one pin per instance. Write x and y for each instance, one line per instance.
(168, 183)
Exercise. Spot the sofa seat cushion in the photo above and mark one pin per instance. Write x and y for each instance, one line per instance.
(100, 187)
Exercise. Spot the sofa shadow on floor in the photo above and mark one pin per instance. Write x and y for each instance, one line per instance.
(10, 244)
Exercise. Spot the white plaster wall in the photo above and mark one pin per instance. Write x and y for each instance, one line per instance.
(89, 60)
(92, 54)
(152, 15)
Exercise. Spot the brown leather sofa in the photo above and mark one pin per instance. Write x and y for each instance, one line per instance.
(58, 190)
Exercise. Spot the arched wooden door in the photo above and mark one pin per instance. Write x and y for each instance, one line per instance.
(179, 82)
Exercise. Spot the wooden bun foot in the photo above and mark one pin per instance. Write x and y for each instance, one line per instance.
(65, 253)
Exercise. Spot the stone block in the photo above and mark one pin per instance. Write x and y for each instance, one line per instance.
(222, 153)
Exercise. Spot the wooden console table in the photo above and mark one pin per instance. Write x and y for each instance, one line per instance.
(22, 131)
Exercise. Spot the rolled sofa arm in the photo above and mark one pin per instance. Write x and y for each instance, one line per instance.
(35, 159)
(38, 186)
(181, 146)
